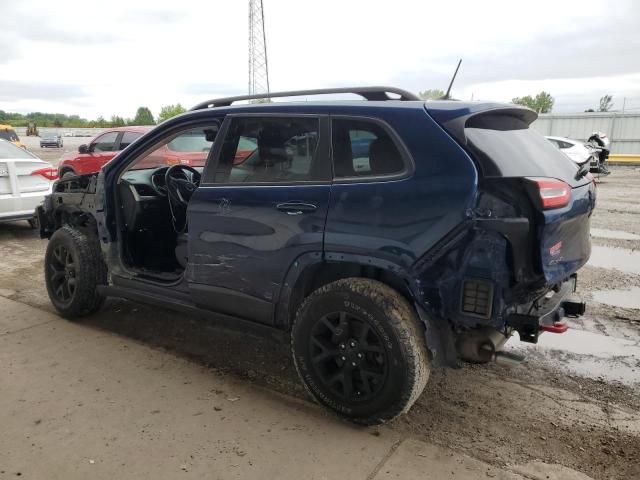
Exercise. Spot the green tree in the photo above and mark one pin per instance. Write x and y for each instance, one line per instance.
(169, 111)
(431, 94)
(117, 121)
(606, 103)
(541, 103)
(143, 117)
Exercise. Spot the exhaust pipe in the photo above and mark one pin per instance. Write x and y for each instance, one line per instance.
(480, 345)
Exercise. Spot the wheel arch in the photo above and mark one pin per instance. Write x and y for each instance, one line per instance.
(310, 272)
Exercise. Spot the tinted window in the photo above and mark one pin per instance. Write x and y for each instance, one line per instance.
(128, 138)
(520, 152)
(363, 148)
(267, 150)
(106, 142)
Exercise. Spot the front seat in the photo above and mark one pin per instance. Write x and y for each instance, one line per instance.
(181, 249)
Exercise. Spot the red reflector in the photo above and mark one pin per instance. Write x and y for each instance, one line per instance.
(557, 327)
(553, 193)
(49, 173)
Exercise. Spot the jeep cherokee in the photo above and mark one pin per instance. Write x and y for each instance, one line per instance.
(383, 236)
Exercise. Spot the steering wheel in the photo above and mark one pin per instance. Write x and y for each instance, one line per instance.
(180, 186)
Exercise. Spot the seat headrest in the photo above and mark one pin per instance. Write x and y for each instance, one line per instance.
(271, 145)
(384, 157)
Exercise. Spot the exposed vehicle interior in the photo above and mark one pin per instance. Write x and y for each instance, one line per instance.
(154, 193)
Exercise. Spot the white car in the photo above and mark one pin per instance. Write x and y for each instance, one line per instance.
(576, 150)
(24, 181)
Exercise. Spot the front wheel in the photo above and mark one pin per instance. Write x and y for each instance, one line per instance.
(360, 350)
(73, 269)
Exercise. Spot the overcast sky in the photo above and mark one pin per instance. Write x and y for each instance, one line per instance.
(104, 58)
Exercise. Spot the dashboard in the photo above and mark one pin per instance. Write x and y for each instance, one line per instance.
(150, 182)
(143, 198)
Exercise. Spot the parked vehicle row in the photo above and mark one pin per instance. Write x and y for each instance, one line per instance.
(384, 237)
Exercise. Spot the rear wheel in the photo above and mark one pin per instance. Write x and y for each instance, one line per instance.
(73, 270)
(359, 349)
(67, 175)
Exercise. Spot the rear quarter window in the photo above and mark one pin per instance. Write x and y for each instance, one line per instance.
(362, 148)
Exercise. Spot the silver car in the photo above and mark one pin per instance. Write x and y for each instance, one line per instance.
(24, 181)
(576, 150)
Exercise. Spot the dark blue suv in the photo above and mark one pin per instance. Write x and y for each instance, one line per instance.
(383, 236)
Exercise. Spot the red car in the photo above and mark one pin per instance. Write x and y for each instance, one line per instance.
(185, 149)
(90, 158)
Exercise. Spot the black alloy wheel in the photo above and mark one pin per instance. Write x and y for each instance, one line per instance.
(359, 349)
(348, 356)
(62, 274)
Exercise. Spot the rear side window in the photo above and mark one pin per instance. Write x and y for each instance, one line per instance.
(128, 138)
(363, 148)
(271, 150)
(105, 143)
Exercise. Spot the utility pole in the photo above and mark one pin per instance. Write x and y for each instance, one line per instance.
(258, 65)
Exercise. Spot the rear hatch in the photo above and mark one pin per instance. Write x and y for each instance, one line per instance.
(563, 194)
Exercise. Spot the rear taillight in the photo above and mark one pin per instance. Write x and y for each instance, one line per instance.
(553, 193)
(49, 173)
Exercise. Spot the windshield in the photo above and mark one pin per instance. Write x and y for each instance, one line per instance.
(9, 150)
(9, 135)
(188, 148)
(190, 142)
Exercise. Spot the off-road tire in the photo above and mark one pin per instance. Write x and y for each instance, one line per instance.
(391, 317)
(89, 272)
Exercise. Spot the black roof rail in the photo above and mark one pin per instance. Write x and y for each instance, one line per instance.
(368, 93)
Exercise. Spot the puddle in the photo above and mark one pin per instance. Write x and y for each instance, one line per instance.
(587, 354)
(621, 259)
(619, 298)
(613, 234)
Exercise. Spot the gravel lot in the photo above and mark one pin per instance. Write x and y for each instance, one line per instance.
(575, 401)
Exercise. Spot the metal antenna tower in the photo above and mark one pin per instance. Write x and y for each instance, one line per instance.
(258, 66)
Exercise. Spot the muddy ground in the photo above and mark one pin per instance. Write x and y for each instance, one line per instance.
(575, 402)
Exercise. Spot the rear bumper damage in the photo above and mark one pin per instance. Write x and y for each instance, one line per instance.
(548, 312)
(483, 286)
